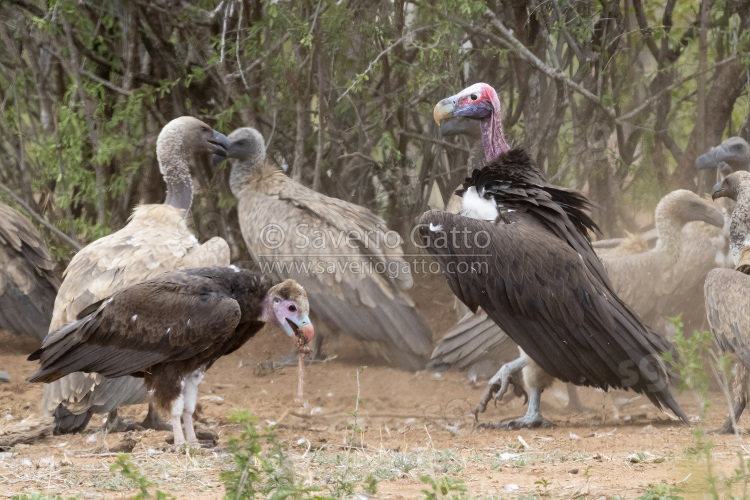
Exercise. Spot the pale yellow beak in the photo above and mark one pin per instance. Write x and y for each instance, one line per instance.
(444, 109)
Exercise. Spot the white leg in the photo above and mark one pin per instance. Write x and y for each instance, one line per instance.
(177, 406)
(190, 393)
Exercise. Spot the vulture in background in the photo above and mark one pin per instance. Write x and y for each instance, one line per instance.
(727, 292)
(155, 240)
(350, 264)
(28, 284)
(666, 280)
(729, 156)
(527, 261)
(167, 331)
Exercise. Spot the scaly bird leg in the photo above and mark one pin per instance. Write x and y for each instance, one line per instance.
(533, 418)
(498, 385)
(728, 427)
(154, 421)
(179, 437)
(187, 418)
(574, 402)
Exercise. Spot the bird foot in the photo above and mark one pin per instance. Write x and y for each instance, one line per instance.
(509, 374)
(526, 422)
(154, 421)
(727, 428)
(118, 424)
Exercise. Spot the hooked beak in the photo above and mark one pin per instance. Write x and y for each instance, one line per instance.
(221, 143)
(717, 192)
(460, 126)
(713, 217)
(707, 160)
(304, 328)
(444, 109)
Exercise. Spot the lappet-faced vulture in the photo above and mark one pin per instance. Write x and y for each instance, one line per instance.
(666, 280)
(167, 331)
(524, 257)
(155, 240)
(727, 291)
(350, 264)
(28, 283)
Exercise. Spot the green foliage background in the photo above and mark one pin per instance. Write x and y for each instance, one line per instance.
(614, 96)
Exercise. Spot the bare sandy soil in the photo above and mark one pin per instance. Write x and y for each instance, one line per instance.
(412, 425)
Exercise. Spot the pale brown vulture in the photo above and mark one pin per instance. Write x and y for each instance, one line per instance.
(155, 240)
(666, 280)
(527, 261)
(28, 283)
(350, 264)
(169, 330)
(727, 292)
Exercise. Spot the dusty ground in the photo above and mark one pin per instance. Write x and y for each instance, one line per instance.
(412, 424)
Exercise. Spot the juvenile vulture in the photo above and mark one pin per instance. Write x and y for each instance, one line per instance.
(727, 291)
(155, 240)
(167, 331)
(28, 284)
(666, 280)
(527, 261)
(350, 264)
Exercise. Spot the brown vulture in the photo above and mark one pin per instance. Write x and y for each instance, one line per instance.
(167, 331)
(727, 292)
(155, 240)
(351, 265)
(28, 283)
(520, 250)
(665, 281)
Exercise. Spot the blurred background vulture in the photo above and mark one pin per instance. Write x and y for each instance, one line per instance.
(666, 280)
(328, 246)
(534, 272)
(727, 293)
(28, 283)
(169, 330)
(155, 240)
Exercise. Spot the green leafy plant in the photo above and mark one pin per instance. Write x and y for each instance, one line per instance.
(130, 471)
(443, 487)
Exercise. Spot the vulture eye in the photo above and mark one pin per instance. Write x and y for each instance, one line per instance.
(276, 300)
(292, 308)
(473, 97)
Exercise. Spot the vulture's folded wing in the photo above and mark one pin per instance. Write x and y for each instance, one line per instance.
(538, 290)
(28, 285)
(163, 319)
(345, 286)
(727, 295)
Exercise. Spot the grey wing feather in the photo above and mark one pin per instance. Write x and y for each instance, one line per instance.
(474, 339)
(28, 284)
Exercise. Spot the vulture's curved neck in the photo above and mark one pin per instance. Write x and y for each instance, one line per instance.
(493, 137)
(670, 237)
(739, 229)
(241, 173)
(176, 173)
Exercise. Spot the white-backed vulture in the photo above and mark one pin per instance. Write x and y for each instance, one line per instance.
(169, 330)
(666, 280)
(733, 153)
(527, 261)
(727, 293)
(350, 264)
(28, 283)
(155, 240)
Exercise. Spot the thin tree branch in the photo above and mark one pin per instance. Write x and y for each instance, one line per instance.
(70, 241)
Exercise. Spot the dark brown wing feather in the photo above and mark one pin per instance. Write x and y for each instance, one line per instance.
(727, 295)
(542, 294)
(28, 284)
(189, 316)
